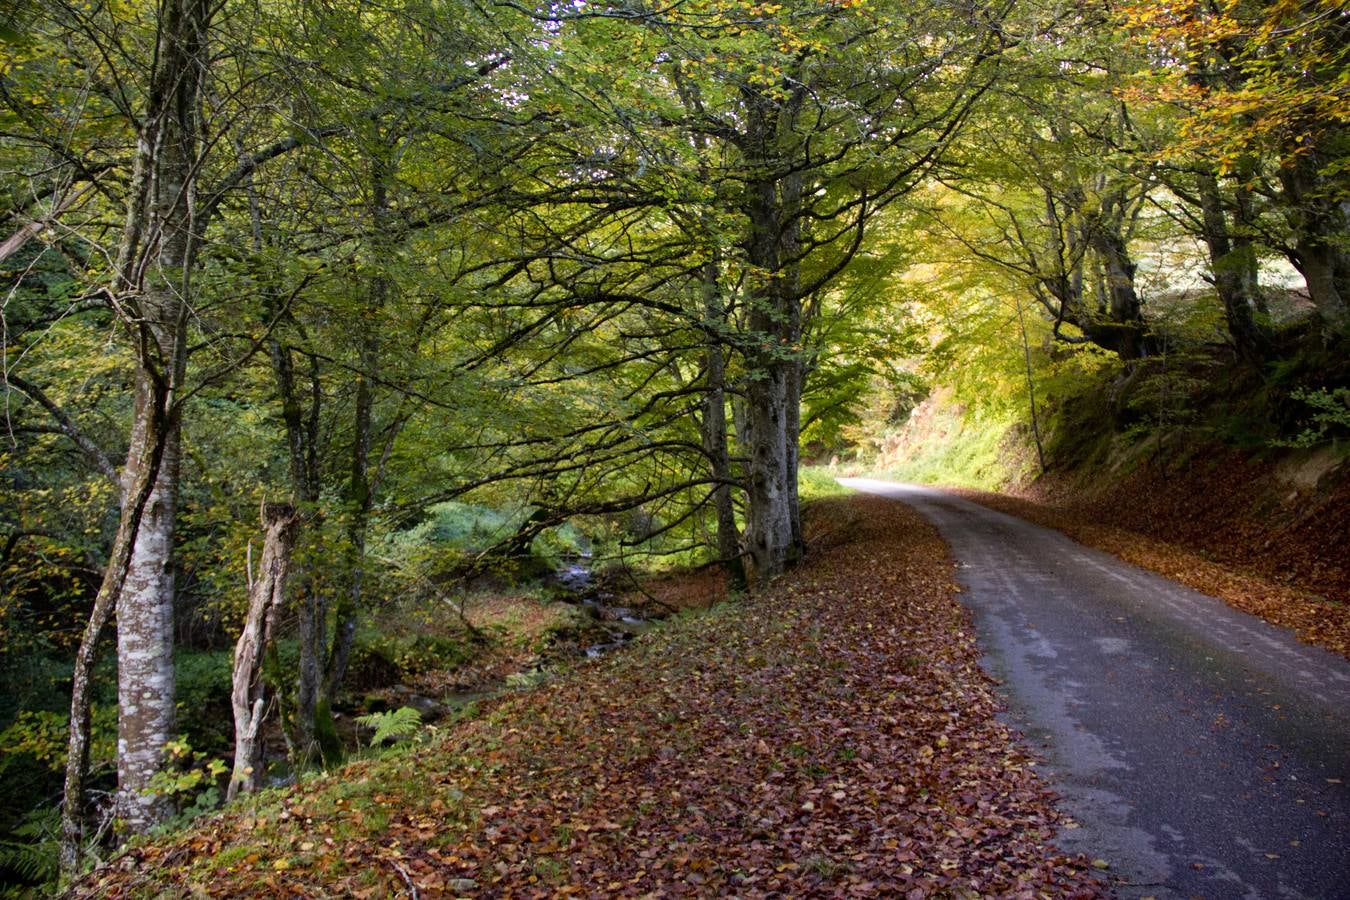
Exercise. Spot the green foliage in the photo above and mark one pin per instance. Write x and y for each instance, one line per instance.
(202, 694)
(391, 653)
(32, 851)
(392, 725)
(1328, 419)
(958, 447)
(453, 533)
(460, 526)
(42, 736)
(192, 779)
(817, 483)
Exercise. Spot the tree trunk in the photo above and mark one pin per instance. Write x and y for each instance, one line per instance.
(1031, 388)
(266, 596)
(1123, 310)
(715, 430)
(145, 468)
(773, 317)
(768, 526)
(1319, 253)
(789, 283)
(311, 721)
(145, 672)
(1229, 269)
(152, 284)
(358, 512)
(302, 726)
(358, 493)
(1244, 246)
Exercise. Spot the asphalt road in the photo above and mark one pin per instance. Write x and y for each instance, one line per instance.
(1202, 752)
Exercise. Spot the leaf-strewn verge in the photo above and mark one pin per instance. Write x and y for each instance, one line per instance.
(834, 735)
(1316, 620)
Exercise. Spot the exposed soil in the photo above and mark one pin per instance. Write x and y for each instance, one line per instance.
(1286, 521)
(833, 735)
(1247, 532)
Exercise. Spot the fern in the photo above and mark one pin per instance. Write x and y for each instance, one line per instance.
(392, 725)
(35, 858)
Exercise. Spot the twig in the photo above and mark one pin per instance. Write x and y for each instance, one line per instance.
(407, 879)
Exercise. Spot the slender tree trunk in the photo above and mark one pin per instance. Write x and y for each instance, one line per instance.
(266, 595)
(1031, 388)
(358, 502)
(1244, 246)
(310, 722)
(307, 729)
(358, 494)
(715, 429)
(145, 466)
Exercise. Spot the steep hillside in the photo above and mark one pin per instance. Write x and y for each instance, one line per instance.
(1236, 484)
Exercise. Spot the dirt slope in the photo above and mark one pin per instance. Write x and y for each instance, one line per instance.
(1267, 538)
(1284, 519)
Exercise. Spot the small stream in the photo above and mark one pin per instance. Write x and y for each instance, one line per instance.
(606, 627)
(619, 623)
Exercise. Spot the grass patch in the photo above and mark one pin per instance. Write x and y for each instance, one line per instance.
(818, 482)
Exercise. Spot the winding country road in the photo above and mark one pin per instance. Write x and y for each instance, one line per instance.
(1201, 751)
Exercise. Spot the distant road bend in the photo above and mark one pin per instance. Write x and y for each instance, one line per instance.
(1203, 752)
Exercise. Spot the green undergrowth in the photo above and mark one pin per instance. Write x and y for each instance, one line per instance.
(816, 483)
(958, 447)
(1099, 419)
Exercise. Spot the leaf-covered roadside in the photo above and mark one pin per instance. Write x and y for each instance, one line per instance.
(1317, 620)
(833, 735)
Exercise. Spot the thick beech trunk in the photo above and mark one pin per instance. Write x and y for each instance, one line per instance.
(145, 673)
(790, 287)
(1230, 267)
(773, 392)
(1320, 252)
(266, 595)
(144, 463)
(769, 515)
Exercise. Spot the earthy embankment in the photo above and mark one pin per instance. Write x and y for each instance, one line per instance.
(832, 736)
(1222, 533)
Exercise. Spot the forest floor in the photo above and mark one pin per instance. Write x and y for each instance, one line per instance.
(832, 735)
(1232, 557)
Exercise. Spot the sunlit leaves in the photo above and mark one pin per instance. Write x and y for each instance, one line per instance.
(1248, 77)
